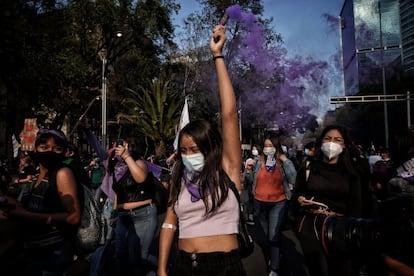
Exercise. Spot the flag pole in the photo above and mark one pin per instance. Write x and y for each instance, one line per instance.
(184, 120)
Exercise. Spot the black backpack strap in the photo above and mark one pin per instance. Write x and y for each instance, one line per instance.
(232, 186)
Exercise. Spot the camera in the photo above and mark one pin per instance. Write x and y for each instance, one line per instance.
(392, 233)
(119, 142)
(345, 236)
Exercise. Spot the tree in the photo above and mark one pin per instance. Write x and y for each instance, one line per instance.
(52, 52)
(155, 111)
(261, 73)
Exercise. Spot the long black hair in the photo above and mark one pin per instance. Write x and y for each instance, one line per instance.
(212, 179)
(346, 157)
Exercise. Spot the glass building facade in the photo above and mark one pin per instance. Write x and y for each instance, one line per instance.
(371, 42)
(407, 34)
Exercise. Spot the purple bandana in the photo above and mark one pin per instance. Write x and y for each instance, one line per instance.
(270, 163)
(192, 188)
(120, 170)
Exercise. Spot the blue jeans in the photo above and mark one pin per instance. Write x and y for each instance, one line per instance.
(272, 217)
(106, 213)
(134, 234)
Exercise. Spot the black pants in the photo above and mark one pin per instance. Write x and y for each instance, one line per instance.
(208, 264)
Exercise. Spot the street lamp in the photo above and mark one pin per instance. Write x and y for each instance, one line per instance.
(83, 115)
(102, 54)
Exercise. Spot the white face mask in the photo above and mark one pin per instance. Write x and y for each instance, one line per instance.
(307, 152)
(331, 149)
(255, 152)
(269, 151)
(193, 162)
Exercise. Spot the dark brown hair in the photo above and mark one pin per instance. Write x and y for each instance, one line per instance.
(212, 178)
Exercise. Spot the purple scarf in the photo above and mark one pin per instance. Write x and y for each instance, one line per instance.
(270, 163)
(120, 170)
(192, 188)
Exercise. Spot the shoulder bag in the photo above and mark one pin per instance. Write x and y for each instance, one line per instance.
(246, 243)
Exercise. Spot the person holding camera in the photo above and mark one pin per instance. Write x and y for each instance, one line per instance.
(136, 214)
(331, 185)
(202, 206)
(26, 170)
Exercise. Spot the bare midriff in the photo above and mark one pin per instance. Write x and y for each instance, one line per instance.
(219, 243)
(132, 205)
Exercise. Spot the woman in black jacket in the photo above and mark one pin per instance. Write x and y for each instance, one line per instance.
(332, 184)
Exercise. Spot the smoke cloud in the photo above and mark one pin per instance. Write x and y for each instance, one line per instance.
(290, 92)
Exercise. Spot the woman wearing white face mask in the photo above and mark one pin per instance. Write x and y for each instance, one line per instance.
(273, 178)
(248, 183)
(334, 179)
(202, 204)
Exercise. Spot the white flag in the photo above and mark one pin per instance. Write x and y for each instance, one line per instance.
(16, 146)
(184, 120)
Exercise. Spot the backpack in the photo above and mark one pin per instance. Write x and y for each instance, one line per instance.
(160, 198)
(91, 231)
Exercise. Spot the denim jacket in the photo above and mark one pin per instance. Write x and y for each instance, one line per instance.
(288, 173)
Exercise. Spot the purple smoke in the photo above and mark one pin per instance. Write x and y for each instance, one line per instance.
(274, 88)
(252, 42)
(236, 13)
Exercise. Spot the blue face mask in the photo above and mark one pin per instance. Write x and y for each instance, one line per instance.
(193, 162)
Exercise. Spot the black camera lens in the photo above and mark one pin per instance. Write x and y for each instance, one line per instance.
(119, 142)
(347, 235)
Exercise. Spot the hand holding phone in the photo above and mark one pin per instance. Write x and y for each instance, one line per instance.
(119, 142)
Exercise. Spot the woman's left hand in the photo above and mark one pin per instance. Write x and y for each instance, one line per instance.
(303, 201)
(217, 40)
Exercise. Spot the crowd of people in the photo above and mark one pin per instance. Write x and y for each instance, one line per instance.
(327, 180)
(335, 184)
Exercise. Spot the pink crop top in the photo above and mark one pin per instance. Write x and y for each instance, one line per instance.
(194, 223)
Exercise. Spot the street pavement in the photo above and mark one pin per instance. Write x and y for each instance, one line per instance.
(292, 263)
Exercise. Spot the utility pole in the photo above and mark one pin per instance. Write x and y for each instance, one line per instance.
(103, 97)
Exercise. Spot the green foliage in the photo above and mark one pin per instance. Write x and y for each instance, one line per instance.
(155, 110)
(52, 48)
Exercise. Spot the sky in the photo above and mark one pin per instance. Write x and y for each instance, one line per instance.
(306, 33)
(300, 22)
